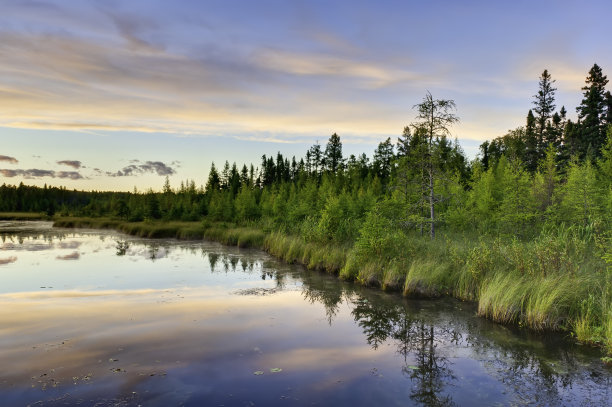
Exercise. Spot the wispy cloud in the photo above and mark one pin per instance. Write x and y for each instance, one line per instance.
(38, 173)
(150, 167)
(70, 163)
(370, 74)
(11, 160)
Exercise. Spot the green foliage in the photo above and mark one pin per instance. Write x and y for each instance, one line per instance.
(582, 201)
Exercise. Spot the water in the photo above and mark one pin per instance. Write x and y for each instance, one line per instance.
(96, 318)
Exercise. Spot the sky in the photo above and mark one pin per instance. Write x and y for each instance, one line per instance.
(112, 95)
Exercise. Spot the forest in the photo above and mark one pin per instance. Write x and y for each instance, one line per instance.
(524, 229)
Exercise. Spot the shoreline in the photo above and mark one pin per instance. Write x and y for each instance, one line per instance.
(428, 276)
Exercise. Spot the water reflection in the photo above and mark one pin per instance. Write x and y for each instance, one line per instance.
(7, 260)
(71, 256)
(162, 323)
(122, 247)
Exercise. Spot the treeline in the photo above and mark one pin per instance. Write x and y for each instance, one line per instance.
(186, 203)
(551, 171)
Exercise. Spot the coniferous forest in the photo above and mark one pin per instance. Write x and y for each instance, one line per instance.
(525, 229)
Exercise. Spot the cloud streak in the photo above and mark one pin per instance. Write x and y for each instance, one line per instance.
(149, 167)
(70, 163)
(10, 160)
(38, 173)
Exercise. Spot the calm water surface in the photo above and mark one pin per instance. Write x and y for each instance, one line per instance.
(96, 318)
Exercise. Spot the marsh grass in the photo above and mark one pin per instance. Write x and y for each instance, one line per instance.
(23, 216)
(318, 256)
(427, 278)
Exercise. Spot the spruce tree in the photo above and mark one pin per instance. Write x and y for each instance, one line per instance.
(332, 158)
(531, 143)
(592, 112)
(544, 107)
(214, 182)
(403, 143)
(383, 156)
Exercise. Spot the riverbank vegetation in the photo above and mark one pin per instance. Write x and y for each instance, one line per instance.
(524, 229)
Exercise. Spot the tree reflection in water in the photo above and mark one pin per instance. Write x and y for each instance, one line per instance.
(415, 340)
(383, 321)
(122, 247)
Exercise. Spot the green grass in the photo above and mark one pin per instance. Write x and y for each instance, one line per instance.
(23, 216)
(294, 249)
(427, 278)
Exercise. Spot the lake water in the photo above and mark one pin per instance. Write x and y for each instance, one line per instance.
(97, 318)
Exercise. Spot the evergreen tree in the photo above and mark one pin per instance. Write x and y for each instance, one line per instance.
(167, 189)
(316, 157)
(544, 107)
(152, 210)
(214, 182)
(244, 177)
(225, 175)
(383, 156)
(608, 119)
(403, 143)
(484, 155)
(234, 180)
(531, 143)
(592, 112)
(332, 158)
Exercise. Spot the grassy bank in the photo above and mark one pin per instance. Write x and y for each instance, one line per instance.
(23, 216)
(553, 282)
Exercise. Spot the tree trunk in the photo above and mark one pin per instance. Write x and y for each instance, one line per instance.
(431, 203)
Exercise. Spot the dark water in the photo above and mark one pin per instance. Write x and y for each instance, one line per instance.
(96, 318)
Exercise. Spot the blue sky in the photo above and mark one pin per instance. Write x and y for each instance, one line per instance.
(115, 94)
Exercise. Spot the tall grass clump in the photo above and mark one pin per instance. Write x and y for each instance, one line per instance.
(502, 297)
(394, 276)
(553, 301)
(429, 278)
(313, 255)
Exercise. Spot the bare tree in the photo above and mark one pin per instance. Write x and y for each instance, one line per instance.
(435, 116)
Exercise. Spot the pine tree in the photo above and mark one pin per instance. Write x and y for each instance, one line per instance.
(592, 112)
